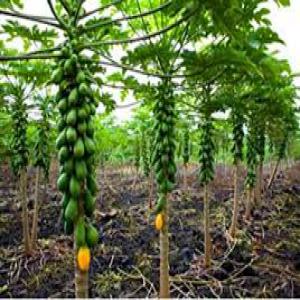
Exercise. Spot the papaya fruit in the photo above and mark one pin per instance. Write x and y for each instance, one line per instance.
(92, 235)
(73, 97)
(161, 204)
(61, 124)
(61, 140)
(65, 200)
(69, 166)
(62, 105)
(159, 222)
(84, 258)
(90, 128)
(81, 128)
(83, 89)
(57, 76)
(62, 182)
(68, 66)
(79, 232)
(91, 184)
(89, 203)
(63, 154)
(71, 135)
(80, 169)
(79, 148)
(80, 78)
(89, 145)
(71, 210)
(71, 117)
(82, 114)
(68, 227)
(74, 187)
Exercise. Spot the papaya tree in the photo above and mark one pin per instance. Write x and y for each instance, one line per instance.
(41, 158)
(16, 95)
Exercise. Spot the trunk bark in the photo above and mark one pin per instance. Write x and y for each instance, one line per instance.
(236, 199)
(207, 237)
(36, 209)
(258, 187)
(150, 179)
(81, 279)
(250, 196)
(23, 195)
(185, 177)
(164, 255)
(273, 174)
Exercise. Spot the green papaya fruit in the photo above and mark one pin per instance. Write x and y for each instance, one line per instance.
(92, 235)
(92, 109)
(90, 162)
(89, 203)
(89, 145)
(71, 117)
(91, 184)
(63, 154)
(65, 200)
(57, 76)
(80, 78)
(73, 97)
(68, 227)
(71, 135)
(79, 233)
(71, 211)
(63, 85)
(87, 108)
(74, 187)
(83, 89)
(62, 182)
(61, 124)
(68, 66)
(79, 148)
(69, 166)
(161, 204)
(61, 140)
(90, 128)
(62, 105)
(80, 169)
(81, 127)
(82, 114)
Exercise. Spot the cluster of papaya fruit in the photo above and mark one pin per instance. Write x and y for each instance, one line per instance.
(163, 157)
(76, 145)
(19, 144)
(207, 148)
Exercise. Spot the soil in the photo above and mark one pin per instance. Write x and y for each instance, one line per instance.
(264, 260)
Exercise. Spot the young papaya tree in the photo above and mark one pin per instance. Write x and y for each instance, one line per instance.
(41, 158)
(19, 150)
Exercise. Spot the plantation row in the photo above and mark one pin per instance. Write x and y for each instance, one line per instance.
(213, 91)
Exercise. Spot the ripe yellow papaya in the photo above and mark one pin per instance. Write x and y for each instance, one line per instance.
(84, 258)
(159, 222)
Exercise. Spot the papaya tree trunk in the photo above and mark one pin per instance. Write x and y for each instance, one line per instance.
(185, 177)
(258, 187)
(81, 279)
(36, 209)
(236, 198)
(250, 196)
(207, 237)
(23, 196)
(273, 174)
(164, 254)
(150, 181)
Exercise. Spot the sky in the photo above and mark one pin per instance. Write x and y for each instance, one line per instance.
(285, 21)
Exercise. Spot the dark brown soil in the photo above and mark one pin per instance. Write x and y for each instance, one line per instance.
(264, 261)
